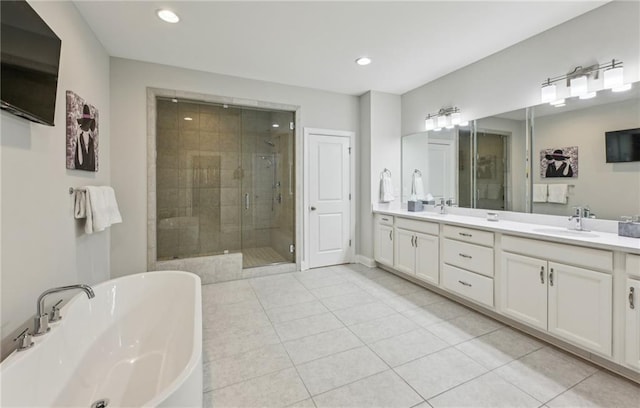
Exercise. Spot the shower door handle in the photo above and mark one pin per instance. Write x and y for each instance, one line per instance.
(246, 201)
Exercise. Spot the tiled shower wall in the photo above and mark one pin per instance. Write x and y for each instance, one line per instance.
(206, 165)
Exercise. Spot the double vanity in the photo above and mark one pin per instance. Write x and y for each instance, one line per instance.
(577, 289)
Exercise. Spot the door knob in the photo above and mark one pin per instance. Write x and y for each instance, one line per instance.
(313, 208)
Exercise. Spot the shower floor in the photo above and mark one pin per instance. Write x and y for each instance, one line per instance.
(252, 257)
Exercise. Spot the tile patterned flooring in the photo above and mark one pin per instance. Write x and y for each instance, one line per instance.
(352, 336)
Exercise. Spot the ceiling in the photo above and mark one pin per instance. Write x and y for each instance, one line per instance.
(315, 44)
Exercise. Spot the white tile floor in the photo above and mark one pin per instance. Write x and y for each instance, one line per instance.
(351, 336)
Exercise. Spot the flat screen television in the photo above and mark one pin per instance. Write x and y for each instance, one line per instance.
(623, 145)
(30, 56)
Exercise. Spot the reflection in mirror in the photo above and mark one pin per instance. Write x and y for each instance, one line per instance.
(569, 156)
(500, 169)
(434, 155)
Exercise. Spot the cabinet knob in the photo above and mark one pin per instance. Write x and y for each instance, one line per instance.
(464, 234)
(390, 235)
(551, 277)
(466, 256)
(542, 274)
(631, 304)
(464, 283)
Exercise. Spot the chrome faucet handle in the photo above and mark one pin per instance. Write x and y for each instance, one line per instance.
(55, 312)
(41, 325)
(25, 340)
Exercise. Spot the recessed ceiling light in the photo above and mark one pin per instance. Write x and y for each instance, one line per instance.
(168, 16)
(363, 61)
(174, 100)
(188, 118)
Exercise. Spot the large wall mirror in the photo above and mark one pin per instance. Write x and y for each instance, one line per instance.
(485, 165)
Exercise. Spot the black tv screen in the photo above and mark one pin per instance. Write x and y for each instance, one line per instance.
(30, 55)
(623, 145)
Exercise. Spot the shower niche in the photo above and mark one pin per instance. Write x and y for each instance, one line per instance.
(224, 182)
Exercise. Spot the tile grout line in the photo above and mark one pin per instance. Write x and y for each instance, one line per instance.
(286, 351)
(573, 386)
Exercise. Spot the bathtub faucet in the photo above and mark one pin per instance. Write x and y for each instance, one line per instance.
(42, 319)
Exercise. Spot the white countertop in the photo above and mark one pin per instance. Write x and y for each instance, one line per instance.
(595, 239)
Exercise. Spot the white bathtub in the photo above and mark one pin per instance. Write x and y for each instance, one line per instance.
(137, 343)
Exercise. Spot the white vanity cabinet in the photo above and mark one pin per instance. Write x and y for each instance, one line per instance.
(571, 301)
(632, 312)
(383, 239)
(467, 267)
(417, 249)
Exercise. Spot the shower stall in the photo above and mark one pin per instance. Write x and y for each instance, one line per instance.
(224, 182)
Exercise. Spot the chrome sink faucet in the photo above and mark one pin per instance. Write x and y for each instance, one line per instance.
(42, 319)
(576, 219)
(443, 206)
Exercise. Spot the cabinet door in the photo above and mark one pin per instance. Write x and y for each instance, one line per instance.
(427, 257)
(580, 306)
(405, 255)
(384, 244)
(523, 289)
(632, 324)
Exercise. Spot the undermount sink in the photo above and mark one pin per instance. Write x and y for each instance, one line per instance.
(566, 232)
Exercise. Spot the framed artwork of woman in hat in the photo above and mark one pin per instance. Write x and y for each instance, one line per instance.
(559, 162)
(82, 134)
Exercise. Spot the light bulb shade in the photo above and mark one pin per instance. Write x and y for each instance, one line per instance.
(548, 93)
(455, 118)
(429, 124)
(613, 78)
(579, 86)
(442, 121)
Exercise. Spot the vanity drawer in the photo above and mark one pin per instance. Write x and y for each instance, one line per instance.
(633, 265)
(468, 284)
(589, 258)
(418, 226)
(384, 219)
(469, 256)
(469, 235)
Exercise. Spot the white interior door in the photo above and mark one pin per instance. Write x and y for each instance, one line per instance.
(329, 200)
(442, 169)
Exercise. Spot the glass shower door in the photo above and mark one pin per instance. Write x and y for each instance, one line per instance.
(267, 189)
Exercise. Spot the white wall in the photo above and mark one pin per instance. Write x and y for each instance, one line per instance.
(380, 139)
(511, 79)
(129, 80)
(42, 245)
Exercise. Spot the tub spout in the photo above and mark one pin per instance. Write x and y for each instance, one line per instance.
(42, 319)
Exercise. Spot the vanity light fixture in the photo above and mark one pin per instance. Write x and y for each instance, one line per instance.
(578, 82)
(445, 118)
(275, 125)
(188, 118)
(168, 16)
(363, 61)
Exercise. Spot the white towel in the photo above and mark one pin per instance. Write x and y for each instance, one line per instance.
(101, 209)
(539, 193)
(79, 204)
(386, 188)
(417, 186)
(558, 193)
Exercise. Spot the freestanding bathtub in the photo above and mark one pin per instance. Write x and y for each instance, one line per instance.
(137, 343)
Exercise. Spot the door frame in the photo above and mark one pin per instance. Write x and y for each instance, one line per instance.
(308, 132)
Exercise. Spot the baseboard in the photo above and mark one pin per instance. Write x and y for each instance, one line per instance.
(366, 261)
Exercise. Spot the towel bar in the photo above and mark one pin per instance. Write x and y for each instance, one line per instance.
(74, 189)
